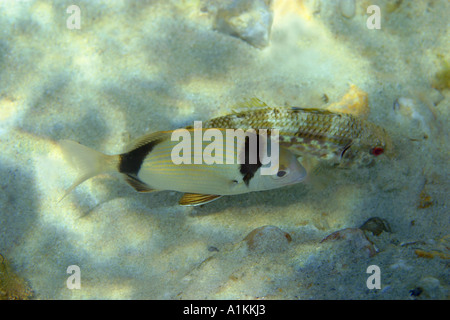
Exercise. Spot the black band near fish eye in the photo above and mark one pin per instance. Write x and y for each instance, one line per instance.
(345, 149)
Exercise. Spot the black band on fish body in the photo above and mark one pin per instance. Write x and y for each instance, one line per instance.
(131, 162)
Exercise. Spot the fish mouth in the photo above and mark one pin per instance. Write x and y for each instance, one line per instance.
(385, 138)
(302, 176)
(390, 149)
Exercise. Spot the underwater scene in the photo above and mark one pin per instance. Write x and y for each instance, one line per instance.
(120, 180)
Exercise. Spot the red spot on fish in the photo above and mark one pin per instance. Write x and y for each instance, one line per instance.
(377, 151)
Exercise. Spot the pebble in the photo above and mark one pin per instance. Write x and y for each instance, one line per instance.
(376, 226)
(407, 112)
(430, 288)
(355, 101)
(12, 287)
(268, 239)
(348, 8)
(356, 237)
(416, 292)
(406, 107)
(425, 200)
(249, 20)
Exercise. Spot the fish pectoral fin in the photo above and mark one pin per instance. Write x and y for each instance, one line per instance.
(137, 184)
(195, 199)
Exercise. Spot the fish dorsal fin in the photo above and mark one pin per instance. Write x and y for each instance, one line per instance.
(147, 139)
(137, 184)
(195, 199)
(312, 110)
(249, 103)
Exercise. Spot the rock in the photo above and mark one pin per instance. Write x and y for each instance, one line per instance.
(12, 286)
(425, 199)
(429, 288)
(407, 109)
(348, 8)
(376, 226)
(414, 114)
(431, 248)
(248, 20)
(442, 78)
(416, 292)
(268, 239)
(355, 101)
(356, 237)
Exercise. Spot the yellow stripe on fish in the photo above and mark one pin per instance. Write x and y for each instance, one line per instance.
(149, 166)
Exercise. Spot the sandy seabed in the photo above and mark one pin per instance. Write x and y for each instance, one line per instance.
(135, 67)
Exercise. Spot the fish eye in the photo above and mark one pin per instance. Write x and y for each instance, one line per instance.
(281, 173)
(377, 151)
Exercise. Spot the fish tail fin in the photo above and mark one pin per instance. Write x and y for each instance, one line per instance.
(87, 161)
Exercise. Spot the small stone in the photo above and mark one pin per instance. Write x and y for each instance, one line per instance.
(355, 102)
(406, 107)
(430, 288)
(425, 200)
(431, 254)
(268, 239)
(416, 292)
(376, 226)
(12, 286)
(249, 20)
(356, 237)
(410, 112)
(442, 78)
(348, 8)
